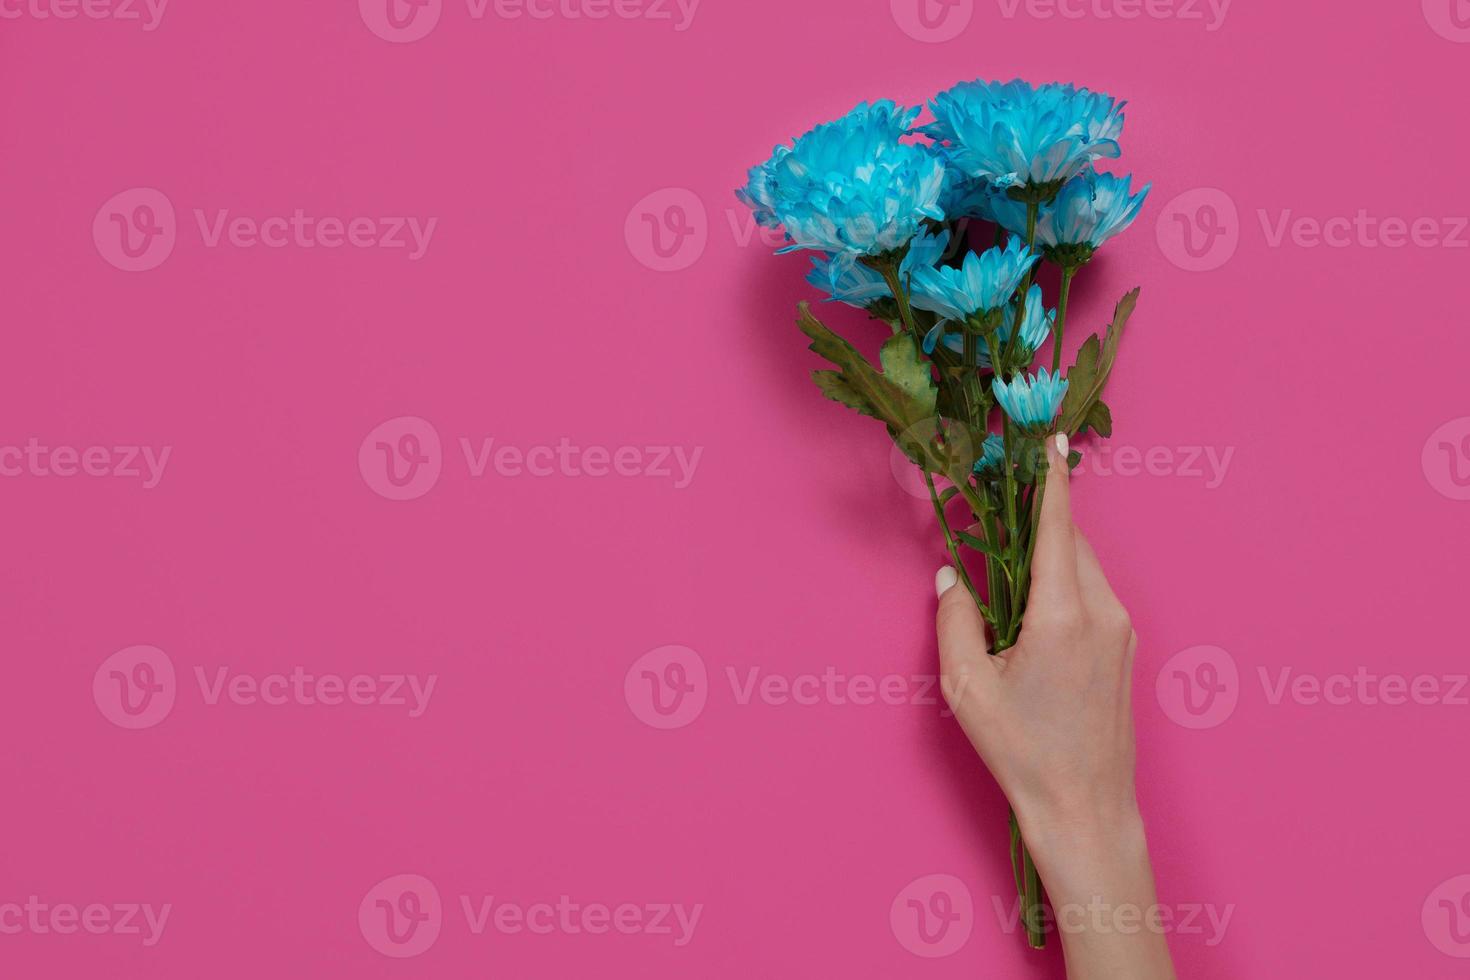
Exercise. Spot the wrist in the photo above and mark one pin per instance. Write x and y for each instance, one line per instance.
(1082, 853)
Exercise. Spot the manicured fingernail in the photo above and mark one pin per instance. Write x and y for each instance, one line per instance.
(945, 579)
(1063, 446)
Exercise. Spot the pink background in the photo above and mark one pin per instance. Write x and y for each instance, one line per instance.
(1333, 542)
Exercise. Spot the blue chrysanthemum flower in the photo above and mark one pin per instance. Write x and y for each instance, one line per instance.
(849, 186)
(1035, 328)
(825, 146)
(992, 455)
(846, 279)
(982, 284)
(963, 196)
(1031, 401)
(1014, 135)
(1088, 210)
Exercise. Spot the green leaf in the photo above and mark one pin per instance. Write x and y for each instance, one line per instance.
(903, 366)
(1081, 377)
(891, 399)
(976, 544)
(945, 496)
(1086, 378)
(903, 396)
(1099, 419)
(835, 387)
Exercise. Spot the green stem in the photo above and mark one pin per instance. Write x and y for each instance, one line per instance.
(1028, 880)
(954, 548)
(1023, 577)
(890, 274)
(1031, 899)
(1032, 210)
(1068, 271)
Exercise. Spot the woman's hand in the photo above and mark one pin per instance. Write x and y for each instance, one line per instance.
(1053, 719)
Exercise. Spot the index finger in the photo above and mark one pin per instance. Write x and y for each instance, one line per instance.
(1054, 564)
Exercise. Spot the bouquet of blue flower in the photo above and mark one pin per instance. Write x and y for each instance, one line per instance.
(892, 209)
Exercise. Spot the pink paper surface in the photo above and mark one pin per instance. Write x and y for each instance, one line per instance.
(210, 710)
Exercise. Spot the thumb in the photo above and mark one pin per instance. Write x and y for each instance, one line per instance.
(964, 662)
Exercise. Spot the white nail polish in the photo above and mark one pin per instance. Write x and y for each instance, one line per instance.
(1063, 446)
(945, 579)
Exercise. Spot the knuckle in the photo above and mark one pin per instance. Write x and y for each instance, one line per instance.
(1058, 620)
(1119, 620)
